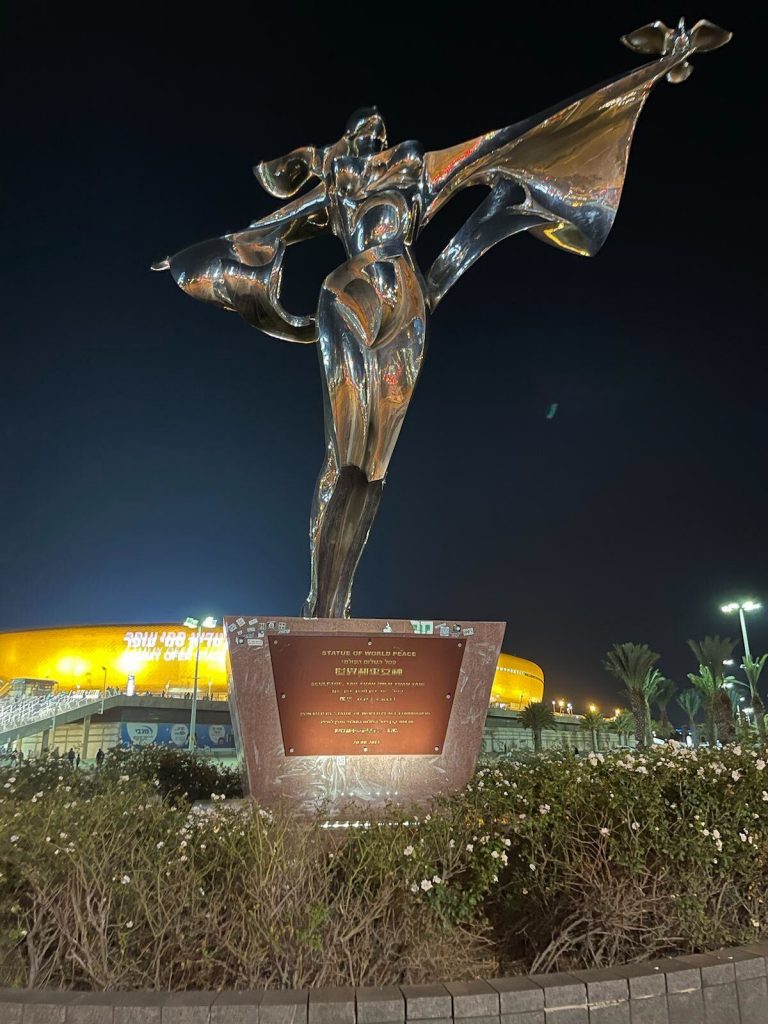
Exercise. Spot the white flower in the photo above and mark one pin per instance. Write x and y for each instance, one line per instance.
(635, 825)
(743, 836)
(125, 880)
(426, 885)
(524, 892)
(408, 851)
(532, 867)
(414, 887)
(437, 879)
(605, 831)
(451, 844)
(735, 775)
(760, 764)
(14, 839)
(129, 924)
(715, 833)
(160, 845)
(123, 778)
(504, 859)
(495, 854)
(471, 848)
(507, 842)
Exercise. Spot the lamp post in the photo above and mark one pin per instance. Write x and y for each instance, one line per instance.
(741, 607)
(207, 623)
(104, 688)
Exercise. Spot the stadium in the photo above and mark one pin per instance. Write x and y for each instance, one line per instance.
(99, 686)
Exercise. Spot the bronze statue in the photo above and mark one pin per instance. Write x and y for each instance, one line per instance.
(557, 175)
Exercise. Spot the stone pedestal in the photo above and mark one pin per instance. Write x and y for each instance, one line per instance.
(358, 711)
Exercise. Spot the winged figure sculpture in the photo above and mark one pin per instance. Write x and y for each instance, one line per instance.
(558, 175)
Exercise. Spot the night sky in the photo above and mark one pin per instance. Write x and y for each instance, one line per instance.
(158, 456)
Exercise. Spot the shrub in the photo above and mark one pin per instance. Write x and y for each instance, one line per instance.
(179, 773)
(551, 862)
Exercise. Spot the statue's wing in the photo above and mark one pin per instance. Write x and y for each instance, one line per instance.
(570, 163)
(243, 271)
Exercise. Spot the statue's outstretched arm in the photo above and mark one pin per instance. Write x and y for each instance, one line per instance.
(559, 174)
(242, 271)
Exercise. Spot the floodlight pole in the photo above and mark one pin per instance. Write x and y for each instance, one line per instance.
(743, 622)
(741, 607)
(193, 715)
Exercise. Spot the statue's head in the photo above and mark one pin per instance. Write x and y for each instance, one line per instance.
(366, 132)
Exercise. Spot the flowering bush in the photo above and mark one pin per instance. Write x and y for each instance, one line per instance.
(550, 862)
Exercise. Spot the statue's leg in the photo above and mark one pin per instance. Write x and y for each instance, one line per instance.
(324, 489)
(367, 393)
(340, 491)
(393, 371)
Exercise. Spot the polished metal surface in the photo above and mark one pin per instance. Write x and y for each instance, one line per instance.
(557, 175)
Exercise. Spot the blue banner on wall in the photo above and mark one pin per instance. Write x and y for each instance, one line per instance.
(176, 734)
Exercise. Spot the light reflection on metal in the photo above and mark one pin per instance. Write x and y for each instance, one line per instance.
(558, 176)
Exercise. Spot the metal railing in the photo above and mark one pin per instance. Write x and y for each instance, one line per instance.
(17, 714)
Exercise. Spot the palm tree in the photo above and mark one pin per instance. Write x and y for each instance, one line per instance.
(718, 709)
(752, 669)
(652, 684)
(594, 721)
(633, 665)
(690, 702)
(711, 653)
(623, 724)
(665, 691)
(537, 717)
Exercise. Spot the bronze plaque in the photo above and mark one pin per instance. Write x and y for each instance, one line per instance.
(341, 695)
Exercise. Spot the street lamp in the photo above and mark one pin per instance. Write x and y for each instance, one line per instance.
(104, 691)
(741, 607)
(190, 623)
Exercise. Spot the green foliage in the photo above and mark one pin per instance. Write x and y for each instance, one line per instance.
(624, 725)
(537, 717)
(176, 773)
(633, 665)
(753, 667)
(712, 686)
(545, 862)
(711, 652)
(690, 702)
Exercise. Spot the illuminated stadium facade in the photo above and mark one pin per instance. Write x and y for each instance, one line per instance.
(135, 668)
(160, 659)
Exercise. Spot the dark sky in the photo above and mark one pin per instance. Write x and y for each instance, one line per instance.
(159, 456)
